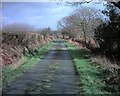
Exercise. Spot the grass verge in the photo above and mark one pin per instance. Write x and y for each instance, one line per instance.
(90, 76)
(9, 74)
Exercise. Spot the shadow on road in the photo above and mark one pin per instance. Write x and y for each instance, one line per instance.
(64, 54)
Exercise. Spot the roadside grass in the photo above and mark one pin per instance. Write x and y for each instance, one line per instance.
(9, 74)
(91, 77)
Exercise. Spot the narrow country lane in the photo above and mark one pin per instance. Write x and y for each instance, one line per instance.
(54, 74)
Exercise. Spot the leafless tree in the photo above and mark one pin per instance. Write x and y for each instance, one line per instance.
(84, 19)
(18, 27)
(68, 28)
(17, 33)
(80, 2)
(45, 32)
(81, 22)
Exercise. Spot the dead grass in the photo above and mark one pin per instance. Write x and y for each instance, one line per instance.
(104, 62)
(111, 72)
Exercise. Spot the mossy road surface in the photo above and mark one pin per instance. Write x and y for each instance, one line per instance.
(54, 74)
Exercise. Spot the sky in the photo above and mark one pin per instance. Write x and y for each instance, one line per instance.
(39, 14)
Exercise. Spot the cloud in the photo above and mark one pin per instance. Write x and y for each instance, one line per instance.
(6, 20)
(59, 10)
(37, 14)
(34, 19)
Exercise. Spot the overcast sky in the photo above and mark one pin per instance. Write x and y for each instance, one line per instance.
(39, 14)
